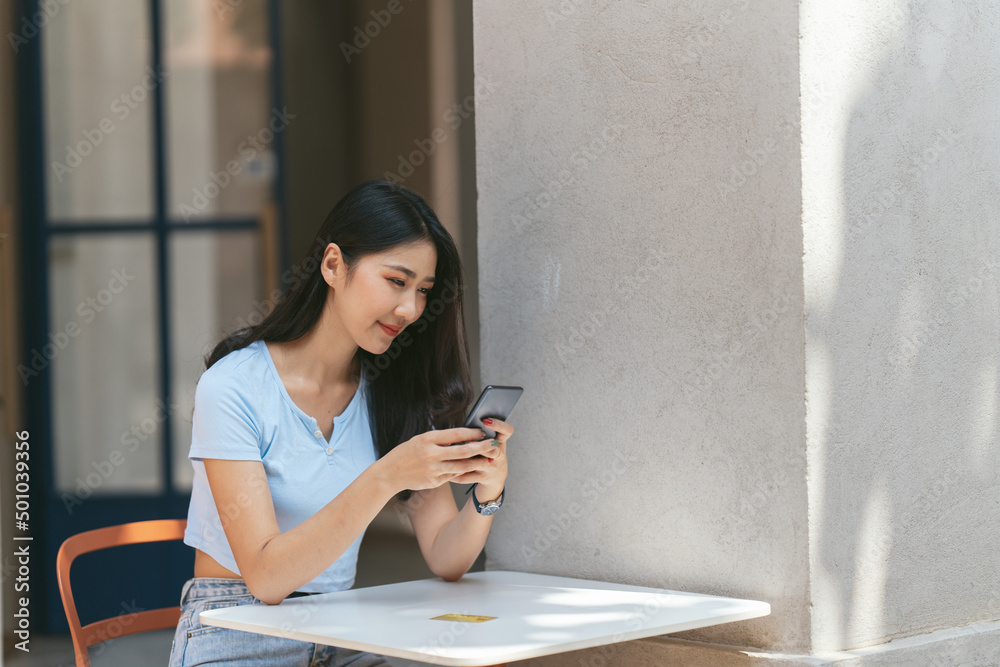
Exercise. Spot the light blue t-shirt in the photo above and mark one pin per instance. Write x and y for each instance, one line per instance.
(243, 411)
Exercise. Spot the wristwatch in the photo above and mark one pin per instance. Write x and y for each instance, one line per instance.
(486, 509)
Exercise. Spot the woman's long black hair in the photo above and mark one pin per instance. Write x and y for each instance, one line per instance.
(423, 378)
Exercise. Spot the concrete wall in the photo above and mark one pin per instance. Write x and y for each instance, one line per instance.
(640, 254)
(900, 161)
(753, 303)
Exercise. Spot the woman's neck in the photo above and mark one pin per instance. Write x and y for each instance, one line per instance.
(318, 358)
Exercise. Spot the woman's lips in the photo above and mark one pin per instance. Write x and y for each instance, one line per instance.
(391, 332)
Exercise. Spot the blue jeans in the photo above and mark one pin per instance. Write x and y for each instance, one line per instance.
(197, 644)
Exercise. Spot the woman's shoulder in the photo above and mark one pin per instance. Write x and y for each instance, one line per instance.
(235, 371)
(229, 412)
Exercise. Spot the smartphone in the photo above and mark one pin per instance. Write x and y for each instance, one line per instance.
(495, 402)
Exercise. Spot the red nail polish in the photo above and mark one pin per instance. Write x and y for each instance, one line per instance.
(487, 421)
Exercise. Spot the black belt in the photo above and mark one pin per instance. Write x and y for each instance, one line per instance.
(298, 594)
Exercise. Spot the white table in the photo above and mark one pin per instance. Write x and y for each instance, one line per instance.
(529, 615)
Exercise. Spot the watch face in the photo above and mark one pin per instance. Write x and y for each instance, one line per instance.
(489, 508)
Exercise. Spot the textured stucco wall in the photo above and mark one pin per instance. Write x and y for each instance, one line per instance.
(640, 257)
(900, 171)
(711, 307)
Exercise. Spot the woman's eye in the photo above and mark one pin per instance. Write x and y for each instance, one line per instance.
(425, 290)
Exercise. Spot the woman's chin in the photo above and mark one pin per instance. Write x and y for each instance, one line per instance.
(378, 347)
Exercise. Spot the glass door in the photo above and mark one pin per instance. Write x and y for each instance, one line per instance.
(152, 137)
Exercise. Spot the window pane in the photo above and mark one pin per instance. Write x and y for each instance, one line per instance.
(98, 111)
(215, 288)
(105, 369)
(220, 126)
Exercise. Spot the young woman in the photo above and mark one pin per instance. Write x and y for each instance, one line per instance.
(305, 425)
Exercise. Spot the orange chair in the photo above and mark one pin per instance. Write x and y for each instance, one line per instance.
(103, 538)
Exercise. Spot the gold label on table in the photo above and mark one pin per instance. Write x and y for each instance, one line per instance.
(465, 618)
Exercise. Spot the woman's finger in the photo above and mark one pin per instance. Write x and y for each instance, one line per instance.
(501, 427)
(467, 450)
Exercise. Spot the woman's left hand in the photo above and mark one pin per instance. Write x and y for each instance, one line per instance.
(490, 479)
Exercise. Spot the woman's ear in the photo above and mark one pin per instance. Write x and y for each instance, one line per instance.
(332, 265)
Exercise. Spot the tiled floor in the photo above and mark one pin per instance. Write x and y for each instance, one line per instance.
(386, 556)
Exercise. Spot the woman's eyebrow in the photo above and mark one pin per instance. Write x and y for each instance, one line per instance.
(405, 270)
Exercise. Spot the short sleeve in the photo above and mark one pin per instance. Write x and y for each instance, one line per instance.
(224, 424)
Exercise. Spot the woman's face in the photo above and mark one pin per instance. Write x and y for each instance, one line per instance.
(383, 296)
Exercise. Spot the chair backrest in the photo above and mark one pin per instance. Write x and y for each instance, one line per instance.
(102, 538)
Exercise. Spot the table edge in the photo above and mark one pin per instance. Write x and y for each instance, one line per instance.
(209, 617)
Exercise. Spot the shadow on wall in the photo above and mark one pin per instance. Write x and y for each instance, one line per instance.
(905, 341)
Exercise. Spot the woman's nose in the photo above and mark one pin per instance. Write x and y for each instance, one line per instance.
(407, 309)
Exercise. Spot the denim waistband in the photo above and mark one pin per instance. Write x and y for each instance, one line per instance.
(197, 588)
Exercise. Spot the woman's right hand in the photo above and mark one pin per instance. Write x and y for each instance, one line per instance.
(428, 460)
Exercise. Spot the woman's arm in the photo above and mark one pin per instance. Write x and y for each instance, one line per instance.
(450, 540)
(272, 563)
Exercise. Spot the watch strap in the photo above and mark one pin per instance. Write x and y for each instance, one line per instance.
(480, 506)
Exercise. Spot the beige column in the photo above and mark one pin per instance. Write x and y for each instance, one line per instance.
(743, 259)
